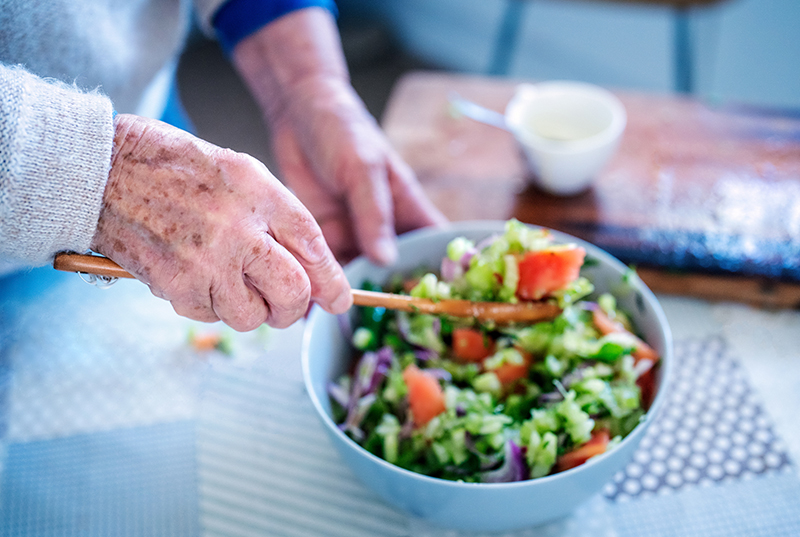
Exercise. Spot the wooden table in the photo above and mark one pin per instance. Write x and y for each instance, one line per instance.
(704, 201)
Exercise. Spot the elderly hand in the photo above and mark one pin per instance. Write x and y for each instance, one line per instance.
(330, 151)
(213, 231)
(335, 158)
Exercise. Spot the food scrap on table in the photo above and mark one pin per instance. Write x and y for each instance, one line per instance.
(210, 341)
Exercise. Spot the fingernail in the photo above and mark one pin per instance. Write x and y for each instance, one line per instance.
(385, 251)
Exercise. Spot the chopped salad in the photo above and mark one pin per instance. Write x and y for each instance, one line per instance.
(482, 402)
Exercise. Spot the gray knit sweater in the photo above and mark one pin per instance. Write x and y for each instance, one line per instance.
(64, 66)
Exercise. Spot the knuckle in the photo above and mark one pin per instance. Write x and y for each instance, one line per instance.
(316, 252)
(238, 306)
(246, 322)
(228, 155)
(241, 161)
(194, 311)
(232, 162)
(298, 294)
(356, 167)
(290, 305)
(279, 321)
(174, 292)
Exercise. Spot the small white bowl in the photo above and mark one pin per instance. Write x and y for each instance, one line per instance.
(326, 355)
(568, 131)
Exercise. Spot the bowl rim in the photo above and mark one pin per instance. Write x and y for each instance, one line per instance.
(666, 365)
(525, 91)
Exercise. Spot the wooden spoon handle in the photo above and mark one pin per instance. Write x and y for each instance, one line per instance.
(501, 312)
(89, 264)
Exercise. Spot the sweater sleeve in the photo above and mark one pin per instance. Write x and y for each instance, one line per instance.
(55, 156)
(230, 21)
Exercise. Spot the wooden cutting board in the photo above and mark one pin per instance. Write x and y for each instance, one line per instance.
(703, 200)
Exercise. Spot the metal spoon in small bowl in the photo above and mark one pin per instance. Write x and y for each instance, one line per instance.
(462, 107)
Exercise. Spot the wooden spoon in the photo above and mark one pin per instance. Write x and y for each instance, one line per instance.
(501, 312)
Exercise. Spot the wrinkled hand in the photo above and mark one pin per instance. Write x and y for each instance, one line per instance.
(213, 231)
(330, 150)
(333, 155)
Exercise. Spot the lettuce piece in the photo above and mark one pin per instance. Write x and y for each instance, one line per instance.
(523, 238)
(389, 430)
(541, 453)
(457, 446)
(488, 383)
(536, 339)
(542, 421)
(503, 356)
(573, 292)
(424, 331)
(591, 386)
(554, 366)
(430, 287)
(577, 423)
(441, 452)
(627, 398)
(396, 388)
(458, 247)
(481, 280)
(426, 286)
(608, 304)
(508, 290)
(485, 424)
(364, 339)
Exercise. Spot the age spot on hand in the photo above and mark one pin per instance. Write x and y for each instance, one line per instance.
(170, 231)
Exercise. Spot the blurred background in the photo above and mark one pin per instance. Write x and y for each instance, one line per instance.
(723, 51)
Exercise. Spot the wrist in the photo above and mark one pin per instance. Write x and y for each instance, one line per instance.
(236, 20)
(294, 53)
(314, 99)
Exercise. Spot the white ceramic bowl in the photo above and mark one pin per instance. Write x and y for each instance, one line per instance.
(326, 354)
(568, 132)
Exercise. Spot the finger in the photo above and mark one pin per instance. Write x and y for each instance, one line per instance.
(190, 302)
(331, 215)
(369, 201)
(339, 234)
(238, 304)
(204, 315)
(413, 208)
(281, 280)
(332, 210)
(297, 231)
(195, 306)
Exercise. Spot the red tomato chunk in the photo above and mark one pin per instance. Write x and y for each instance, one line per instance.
(508, 374)
(470, 345)
(596, 445)
(425, 395)
(545, 271)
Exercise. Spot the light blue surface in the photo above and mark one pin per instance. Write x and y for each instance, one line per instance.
(765, 507)
(129, 482)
